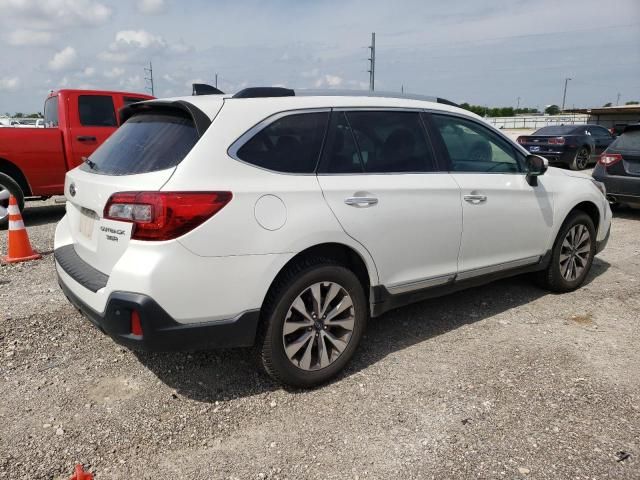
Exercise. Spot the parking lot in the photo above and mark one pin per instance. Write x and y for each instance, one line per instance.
(501, 381)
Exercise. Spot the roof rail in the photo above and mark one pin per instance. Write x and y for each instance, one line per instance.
(259, 92)
(369, 93)
(204, 89)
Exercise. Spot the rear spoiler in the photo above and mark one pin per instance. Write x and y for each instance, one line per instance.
(200, 119)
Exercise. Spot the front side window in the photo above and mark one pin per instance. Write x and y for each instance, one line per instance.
(96, 111)
(51, 112)
(473, 147)
(599, 132)
(290, 144)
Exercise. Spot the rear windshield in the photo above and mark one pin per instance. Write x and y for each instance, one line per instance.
(147, 142)
(556, 130)
(627, 141)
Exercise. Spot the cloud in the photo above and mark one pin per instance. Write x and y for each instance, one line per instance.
(89, 71)
(114, 72)
(56, 14)
(151, 7)
(138, 38)
(26, 37)
(63, 59)
(9, 83)
(328, 81)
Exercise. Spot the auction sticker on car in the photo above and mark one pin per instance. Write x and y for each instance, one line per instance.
(87, 223)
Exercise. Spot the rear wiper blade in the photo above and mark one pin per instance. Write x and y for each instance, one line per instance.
(92, 164)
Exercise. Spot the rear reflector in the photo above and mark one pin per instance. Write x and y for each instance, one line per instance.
(556, 141)
(608, 159)
(136, 326)
(164, 215)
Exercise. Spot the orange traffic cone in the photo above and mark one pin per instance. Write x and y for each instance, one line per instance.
(19, 248)
(80, 474)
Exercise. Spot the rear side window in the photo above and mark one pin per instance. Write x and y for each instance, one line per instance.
(51, 112)
(145, 143)
(96, 111)
(377, 142)
(290, 144)
(627, 141)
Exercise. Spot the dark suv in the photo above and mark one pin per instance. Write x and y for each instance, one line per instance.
(619, 167)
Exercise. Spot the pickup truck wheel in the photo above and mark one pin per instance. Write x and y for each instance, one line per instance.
(581, 160)
(313, 321)
(572, 255)
(8, 187)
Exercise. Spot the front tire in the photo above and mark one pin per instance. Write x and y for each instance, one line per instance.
(8, 186)
(313, 318)
(572, 255)
(581, 159)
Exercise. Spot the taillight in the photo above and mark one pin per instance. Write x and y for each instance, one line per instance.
(608, 159)
(521, 140)
(164, 215)
(556, 141)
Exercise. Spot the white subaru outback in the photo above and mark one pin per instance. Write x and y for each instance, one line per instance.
(282, 220)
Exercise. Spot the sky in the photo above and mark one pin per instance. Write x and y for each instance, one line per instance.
(482, 52)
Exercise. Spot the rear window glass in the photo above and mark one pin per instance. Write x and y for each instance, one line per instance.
(627, 141)
(556, 130)
(145, 143)
(51, 112)
(96, 111)
(291, 144)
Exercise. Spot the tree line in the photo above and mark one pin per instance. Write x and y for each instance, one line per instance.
(23, 115)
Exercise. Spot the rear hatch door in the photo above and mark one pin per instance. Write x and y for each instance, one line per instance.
(140, 156)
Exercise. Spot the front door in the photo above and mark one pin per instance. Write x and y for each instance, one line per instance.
(380, 179)
(507, 223)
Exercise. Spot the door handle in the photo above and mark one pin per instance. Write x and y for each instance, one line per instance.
(86, 138)
(475, 199)
(361, 202)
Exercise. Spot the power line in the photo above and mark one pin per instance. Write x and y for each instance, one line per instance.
(149, 79)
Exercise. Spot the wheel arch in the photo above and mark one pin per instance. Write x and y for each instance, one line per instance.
(588, 207)
(13, 171)
(340, 252)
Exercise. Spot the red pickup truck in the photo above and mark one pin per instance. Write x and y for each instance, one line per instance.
(34, 161)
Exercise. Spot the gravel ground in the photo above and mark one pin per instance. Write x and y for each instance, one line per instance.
(502, 381)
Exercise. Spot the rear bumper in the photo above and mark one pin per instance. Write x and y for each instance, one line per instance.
(564, 156)
(161, 333)
(624, 189)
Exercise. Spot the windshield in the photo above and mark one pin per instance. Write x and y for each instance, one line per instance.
(556, 130)
(147, 142)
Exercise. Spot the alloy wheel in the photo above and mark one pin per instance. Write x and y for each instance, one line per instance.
(4, 202)
(582, 159)
(575, 252)
(318, 326)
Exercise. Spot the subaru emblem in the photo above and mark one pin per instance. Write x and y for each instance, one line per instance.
(72, 189)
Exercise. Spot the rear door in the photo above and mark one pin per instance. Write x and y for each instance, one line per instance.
(380, 179)
(140, 156)
(92, 120)
(507, 222)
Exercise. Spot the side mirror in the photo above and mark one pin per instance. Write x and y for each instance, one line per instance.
(536, 166)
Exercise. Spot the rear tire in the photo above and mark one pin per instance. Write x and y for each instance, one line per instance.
(300, 344)
(8, 186)
(572, 255)
(581, 159)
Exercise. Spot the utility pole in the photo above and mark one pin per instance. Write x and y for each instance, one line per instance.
(518, 107)
(149, 71)
(372, 63)
(618, 100)
(564, 95)
(216, 85)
